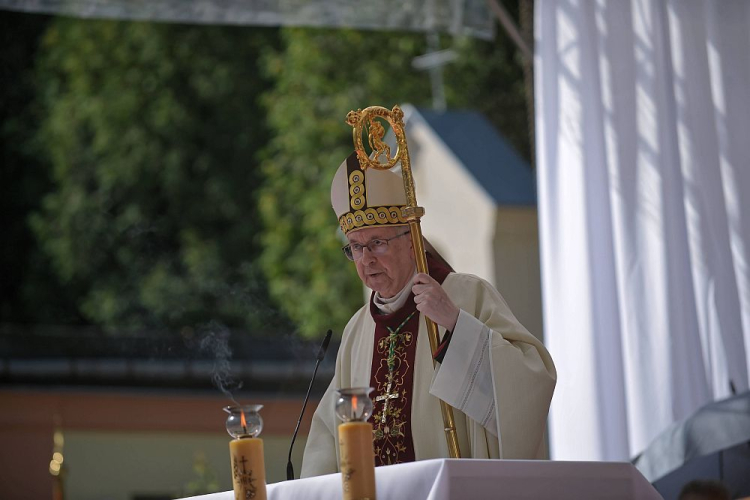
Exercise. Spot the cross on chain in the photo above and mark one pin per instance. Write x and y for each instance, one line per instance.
(387, 396)
(393, 337)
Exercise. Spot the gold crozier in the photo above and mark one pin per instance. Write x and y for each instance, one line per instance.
(370, 120)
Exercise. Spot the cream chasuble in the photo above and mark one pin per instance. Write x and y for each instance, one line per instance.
(495, 374)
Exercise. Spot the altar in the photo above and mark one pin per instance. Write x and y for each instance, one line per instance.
(444, 479)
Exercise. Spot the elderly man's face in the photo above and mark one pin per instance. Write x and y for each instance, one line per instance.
(387, 273)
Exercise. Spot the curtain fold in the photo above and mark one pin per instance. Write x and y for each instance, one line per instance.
(643, 147)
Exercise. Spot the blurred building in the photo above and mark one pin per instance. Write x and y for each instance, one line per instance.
(140, 416)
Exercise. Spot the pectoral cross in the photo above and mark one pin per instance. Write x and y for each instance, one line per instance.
(386, 397)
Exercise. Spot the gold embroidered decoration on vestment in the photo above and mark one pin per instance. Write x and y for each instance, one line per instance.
(389, 420)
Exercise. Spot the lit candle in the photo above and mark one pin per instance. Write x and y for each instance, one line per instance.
(246, 452)
(355, 444)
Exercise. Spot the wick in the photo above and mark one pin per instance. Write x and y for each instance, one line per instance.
(243, 422)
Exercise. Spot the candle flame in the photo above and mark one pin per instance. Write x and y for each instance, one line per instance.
(354, 406)
(243, 421)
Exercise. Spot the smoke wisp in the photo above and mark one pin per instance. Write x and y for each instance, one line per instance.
(214, 340)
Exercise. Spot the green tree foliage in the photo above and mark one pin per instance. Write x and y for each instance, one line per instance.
(152, 132)
(26, 292)
(488, 77)
(319, 76)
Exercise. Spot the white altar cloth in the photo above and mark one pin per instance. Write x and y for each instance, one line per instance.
(444, 479)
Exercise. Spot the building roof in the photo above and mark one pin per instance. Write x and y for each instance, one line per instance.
(85, 356)
(484, 153)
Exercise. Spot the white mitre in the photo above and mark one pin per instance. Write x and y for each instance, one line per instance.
(367, 198)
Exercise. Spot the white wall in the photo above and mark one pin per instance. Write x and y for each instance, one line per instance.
(517, 273)
(459, 216)
(119, 465)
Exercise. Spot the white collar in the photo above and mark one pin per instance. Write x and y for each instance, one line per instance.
(393, 304)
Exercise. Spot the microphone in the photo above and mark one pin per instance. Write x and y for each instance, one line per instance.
(321, 355)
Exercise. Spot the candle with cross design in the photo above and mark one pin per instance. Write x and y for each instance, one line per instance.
(244, 424)
(356, 451)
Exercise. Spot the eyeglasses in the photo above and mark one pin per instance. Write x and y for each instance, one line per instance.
(378, 246)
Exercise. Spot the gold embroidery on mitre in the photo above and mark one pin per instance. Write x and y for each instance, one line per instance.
(359, 218)
(382, 215)
(357, 189)
(371, 216)
(375, 216)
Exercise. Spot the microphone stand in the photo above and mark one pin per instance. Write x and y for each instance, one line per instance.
(321, 355)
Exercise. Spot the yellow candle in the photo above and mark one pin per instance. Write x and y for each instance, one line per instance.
(357, 460)
(248, 468)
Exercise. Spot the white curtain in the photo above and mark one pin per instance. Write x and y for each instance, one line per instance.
(643, 150)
